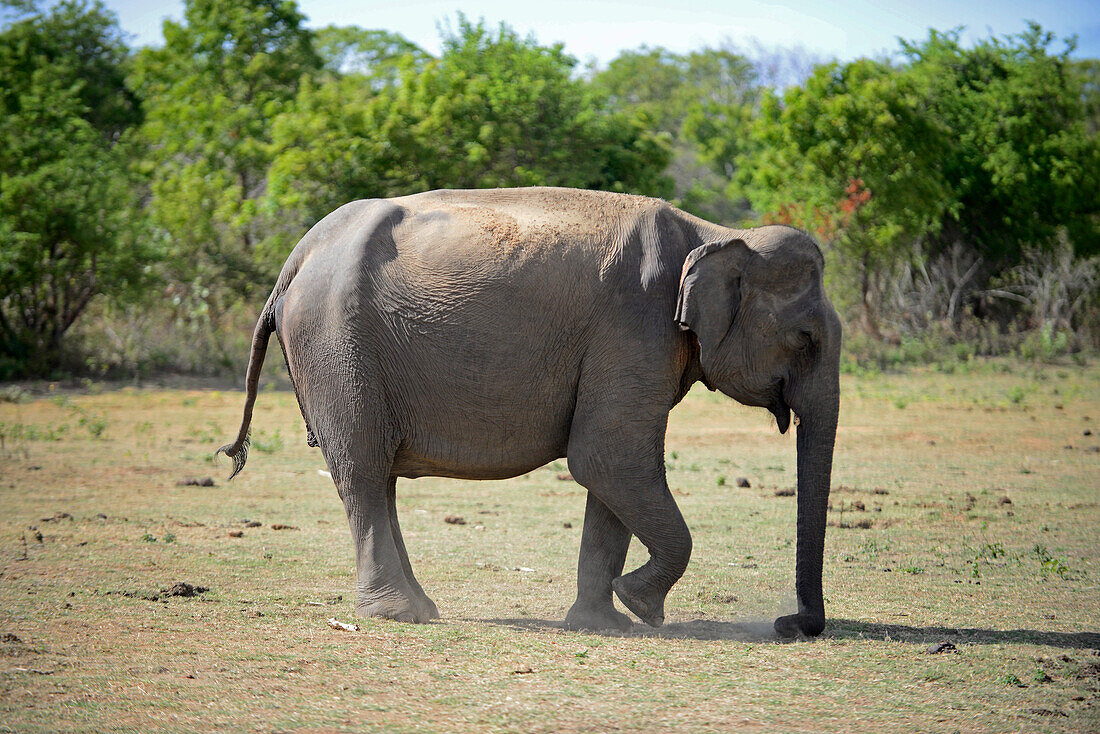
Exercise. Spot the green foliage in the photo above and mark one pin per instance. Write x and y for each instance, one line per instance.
(943, 175)
(989, 147)
(1020, 160)
(1049, 564)
(703, 100)
(67, 195)
(1045, 344)
(499, 110)
(990, 550)
(378, 55)
(852, 156)
(211, 92)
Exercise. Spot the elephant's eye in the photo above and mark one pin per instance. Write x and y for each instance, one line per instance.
(801, 340)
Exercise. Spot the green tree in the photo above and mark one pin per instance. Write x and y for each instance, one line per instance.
(702, 100)
(378, 55)
(499, 110)
(1024, 160)
(211, 93)
(66, 192)
(326, 152)
(854, 156)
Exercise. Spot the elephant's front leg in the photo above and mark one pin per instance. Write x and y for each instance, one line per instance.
(630, 482)
(604, 543)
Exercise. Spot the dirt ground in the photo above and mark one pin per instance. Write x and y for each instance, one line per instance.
(962, 574)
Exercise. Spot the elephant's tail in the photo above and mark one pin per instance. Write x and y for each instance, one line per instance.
(238, 450)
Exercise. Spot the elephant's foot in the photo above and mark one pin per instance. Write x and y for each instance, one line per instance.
(792, 625)
(427, 606)
(641, 598)
(597, 617)
(398, 606)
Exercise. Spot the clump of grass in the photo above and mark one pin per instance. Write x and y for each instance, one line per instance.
(94, 423)
(1040, 676)
(14, 394)
(990, 550)
(1049, 564)
(267, 443)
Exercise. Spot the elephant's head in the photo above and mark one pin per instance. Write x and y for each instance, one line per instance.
(769, 337)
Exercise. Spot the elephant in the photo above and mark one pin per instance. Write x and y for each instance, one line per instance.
(480, 334)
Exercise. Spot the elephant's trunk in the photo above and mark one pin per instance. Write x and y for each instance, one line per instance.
(817, 415)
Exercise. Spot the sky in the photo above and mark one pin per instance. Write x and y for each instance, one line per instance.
(597, 30)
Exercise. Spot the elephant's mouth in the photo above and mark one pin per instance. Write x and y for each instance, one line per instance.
(779, 408)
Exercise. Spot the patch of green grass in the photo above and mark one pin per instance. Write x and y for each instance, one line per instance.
(1049, 564)
(267, 443)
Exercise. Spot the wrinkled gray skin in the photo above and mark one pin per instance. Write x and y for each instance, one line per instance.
(482, 334)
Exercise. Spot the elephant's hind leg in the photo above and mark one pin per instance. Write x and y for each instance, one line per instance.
(604, 544)
(426, 607)
(358, 444)
(383, 586)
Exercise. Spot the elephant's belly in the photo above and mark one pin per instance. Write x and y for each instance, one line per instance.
(474, 449)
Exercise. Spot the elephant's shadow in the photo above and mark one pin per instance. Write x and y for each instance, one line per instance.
(839, 629)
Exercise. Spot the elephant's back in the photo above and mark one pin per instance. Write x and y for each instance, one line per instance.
(507, 227)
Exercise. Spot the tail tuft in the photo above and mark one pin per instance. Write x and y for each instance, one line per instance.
(238, 452)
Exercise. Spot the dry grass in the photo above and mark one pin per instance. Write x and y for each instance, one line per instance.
(927, 457)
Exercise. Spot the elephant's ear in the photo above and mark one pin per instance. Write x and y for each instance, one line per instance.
(710, 291)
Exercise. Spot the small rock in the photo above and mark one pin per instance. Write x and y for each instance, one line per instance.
(565, 477)
(454, 520)
(940, 647)
(236, 533)
(858, 505)
(1087, 432)
(57, 516)
(743, 482)
(182, 588)
(881, 491)
(280, 526)
(100, 516)
(931, 443)
(1093, 449)
(784, 492)
(1004, 501)
(253, 524)
(10, 638)
(567, 525)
